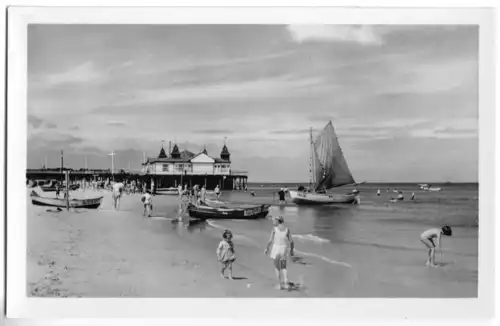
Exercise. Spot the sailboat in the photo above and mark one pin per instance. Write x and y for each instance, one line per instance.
(328, 170)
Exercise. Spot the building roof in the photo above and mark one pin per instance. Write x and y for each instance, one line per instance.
(185, 158)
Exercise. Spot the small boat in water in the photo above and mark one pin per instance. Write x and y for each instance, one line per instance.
(227, 211)
(172, 191)
(91, 203)
(328, 170)
(427, 187)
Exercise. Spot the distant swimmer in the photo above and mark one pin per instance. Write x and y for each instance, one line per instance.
(412, 196)
(253, 193)
(378, 192)
(400, 197)
(428, 238)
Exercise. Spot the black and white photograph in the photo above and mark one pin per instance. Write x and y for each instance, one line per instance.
(250, 160)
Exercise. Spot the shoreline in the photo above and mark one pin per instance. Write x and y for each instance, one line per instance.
(105, 253)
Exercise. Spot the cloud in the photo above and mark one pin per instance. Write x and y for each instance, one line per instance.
(364, 35)
(84, 73)
(214, 131)
(51, 125)
(448, 133)
(291, 131)
(91, 150)
(116, 123)
(454, 131)
(34, 121)
(53, 140)
(74, 128)
(321, 118)
(269, 88)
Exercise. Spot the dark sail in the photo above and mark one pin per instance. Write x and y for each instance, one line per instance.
(330, 165)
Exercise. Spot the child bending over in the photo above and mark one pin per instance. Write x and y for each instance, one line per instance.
(428, 238)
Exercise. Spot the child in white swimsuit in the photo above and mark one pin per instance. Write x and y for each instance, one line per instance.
(282, 247)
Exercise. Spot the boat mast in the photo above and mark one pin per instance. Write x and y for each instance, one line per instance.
(311, 160)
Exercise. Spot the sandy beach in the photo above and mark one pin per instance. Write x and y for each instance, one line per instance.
(107, 253)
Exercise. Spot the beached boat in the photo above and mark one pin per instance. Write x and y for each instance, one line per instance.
(172, 191)
(328, 170)
(228, 211)
(73, 203)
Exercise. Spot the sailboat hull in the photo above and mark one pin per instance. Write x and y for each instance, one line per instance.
(300, 198)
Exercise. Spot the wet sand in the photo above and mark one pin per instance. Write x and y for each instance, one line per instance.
(107, 253)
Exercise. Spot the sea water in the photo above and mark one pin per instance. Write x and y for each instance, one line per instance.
(377, 241)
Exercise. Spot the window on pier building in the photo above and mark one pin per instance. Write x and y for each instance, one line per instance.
(179, 167)
(164, 167)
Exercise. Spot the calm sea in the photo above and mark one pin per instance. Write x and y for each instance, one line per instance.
(372, 249)
(378, 238)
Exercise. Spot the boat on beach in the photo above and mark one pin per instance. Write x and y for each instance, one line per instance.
(172, 191)
(227, 211)
(90, 203)
(328, 170)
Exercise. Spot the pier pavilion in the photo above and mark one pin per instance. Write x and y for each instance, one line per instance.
(185, 167)
(179, 167)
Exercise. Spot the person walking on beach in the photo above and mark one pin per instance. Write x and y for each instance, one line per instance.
(282, 247)
(428, 238)
(226, 254)
(147, 200)
(179, 189)
(58, 190)
(203, 194)
(281, 195)
(117, 193)
(412, 196)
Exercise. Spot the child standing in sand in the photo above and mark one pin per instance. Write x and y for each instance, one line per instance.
(428, 238)
(225, 253)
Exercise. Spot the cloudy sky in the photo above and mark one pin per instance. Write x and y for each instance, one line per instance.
(403, 99)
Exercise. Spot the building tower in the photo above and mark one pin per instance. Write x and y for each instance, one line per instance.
(175, 152)
(224, 154)
(162, 152)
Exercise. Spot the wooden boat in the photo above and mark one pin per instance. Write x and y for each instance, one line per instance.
(328, 170)
(167, 191)
(50, 186)
(428, 187)
(227, 211)
(73, 203)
